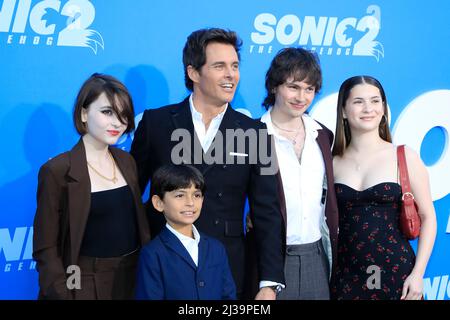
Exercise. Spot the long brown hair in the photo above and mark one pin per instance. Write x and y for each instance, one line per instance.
(343, 133)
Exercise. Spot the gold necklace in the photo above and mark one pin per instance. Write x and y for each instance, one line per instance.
(297, 130)
(357, 163)
(113, 179)
(294, 140)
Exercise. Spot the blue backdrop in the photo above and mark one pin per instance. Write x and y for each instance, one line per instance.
(48, 48)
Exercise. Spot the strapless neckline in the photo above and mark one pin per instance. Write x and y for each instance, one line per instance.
(369, 188)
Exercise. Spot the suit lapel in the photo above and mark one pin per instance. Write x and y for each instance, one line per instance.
(181, 116)
(79, 197)
(229, 121)
(203, 248)
(324, 145)
(171, 241)
(331, 203)
(182, 119)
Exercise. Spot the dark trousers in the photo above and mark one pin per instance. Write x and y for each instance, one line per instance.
(107, 278)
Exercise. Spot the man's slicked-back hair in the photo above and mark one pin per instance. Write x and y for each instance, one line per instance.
(194, 52)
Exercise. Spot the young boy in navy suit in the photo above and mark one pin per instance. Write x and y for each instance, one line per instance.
(181, 263)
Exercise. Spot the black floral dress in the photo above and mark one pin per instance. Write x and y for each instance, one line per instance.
(374, 258)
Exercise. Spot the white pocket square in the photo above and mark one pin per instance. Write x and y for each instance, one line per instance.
(237, 154)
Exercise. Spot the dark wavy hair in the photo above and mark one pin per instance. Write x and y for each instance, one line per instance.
(298, 63)
(343, 133)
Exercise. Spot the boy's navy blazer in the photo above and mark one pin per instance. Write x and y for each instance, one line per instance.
(166, 271)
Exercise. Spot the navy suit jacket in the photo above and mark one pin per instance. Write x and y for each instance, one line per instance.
(228, 185)
(166, 271)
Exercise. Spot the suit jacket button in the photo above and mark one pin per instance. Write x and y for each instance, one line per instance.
(224, 166)
(201, 283)
(219, 194)
(216, 221)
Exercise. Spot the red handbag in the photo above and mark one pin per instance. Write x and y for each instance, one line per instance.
(409, 218)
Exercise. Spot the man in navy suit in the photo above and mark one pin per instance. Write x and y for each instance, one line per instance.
(203, 122)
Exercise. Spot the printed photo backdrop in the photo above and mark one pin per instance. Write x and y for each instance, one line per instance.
(49, 47)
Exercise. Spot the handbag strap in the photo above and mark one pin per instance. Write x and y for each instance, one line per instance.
(403, 169)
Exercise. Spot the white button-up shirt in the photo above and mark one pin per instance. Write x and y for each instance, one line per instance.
(206, 137)
(190, 244)
(302, 182)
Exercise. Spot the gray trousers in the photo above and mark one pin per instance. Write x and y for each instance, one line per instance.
(306, 272)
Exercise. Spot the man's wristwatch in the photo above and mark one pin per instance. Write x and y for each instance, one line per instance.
(276, 288)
